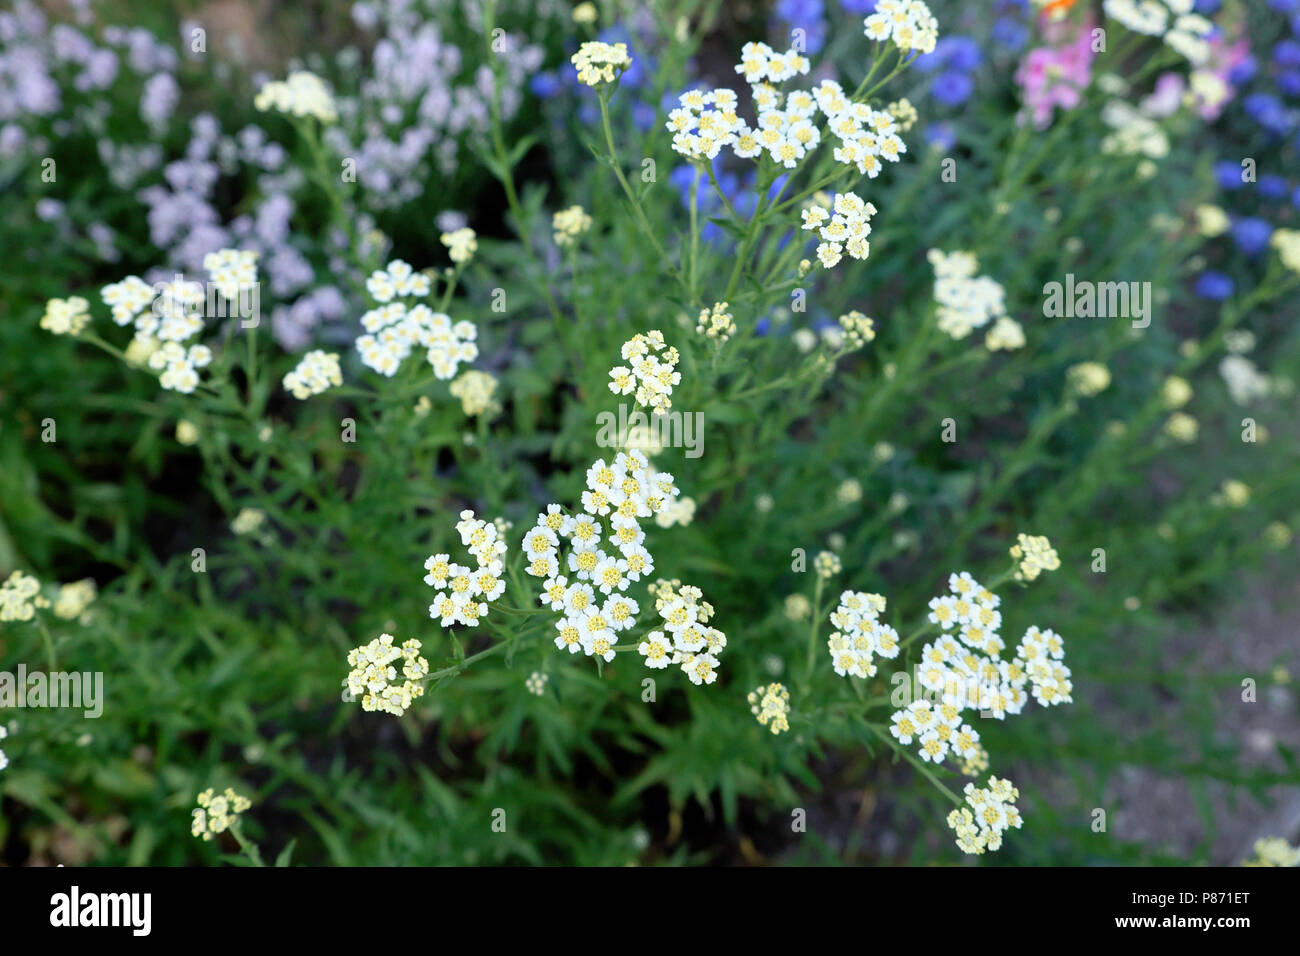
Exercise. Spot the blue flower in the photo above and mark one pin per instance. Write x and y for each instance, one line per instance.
(1208, 7)
(858, 6)
(1251, 235)
(952, 88)
(644, 116)
(1295, 198)
(808, 16)
(1214, 285)
(941, 135)
(1287, 7)
(960, 53)
(954, 52)
(1287, 53)
(1272, 186)
(1289, 82)
(1228, 174)
(545, 85)
(1010, 34)
(1267, 110)
(1243, 72)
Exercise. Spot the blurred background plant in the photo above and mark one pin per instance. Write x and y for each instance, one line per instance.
(232, 676)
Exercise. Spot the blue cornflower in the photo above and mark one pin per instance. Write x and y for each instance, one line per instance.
(1287, 53)
(940, 135)
(1010, 34)
(1228, 174)
(954, 52)
(1214, 285)
(952, 88)
(1272, 186)
(1267, 110)
(1243, 72)
(1288, 82)
(545, 85)
(1251, 235)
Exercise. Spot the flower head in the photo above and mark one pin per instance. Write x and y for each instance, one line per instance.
(1034, 554)
(20, 596)
(216, 813)
(771, 706)
(317, 372)
(374, 678)
(717, 322)
(66, 316)
(989, 812)
(908, 24)
(568, 224)
(1088, 378)
(651, 372)
(475, 390)
(461, 244)
(600, 63)
(302, 94)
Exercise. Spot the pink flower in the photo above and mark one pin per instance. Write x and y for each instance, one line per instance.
(1052, 76)
(1211, 90)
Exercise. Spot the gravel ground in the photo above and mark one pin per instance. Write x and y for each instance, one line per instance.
(1249, 637)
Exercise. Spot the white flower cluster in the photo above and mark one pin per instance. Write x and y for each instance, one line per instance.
(1188, 34)
(1133, 133)
(127, 299)
(317, 372)
(169, 314)
(690, 643)
(909, 23)
(770, 705)
(232, 271)
(215, 813)
(373, 677)
(4, 760)
(569, 224)
(717, 322)
(844, 228)
(460, 588)
(786, 126)
(20, 597)
(393, 329)
(965, 301)
(652, 374)
(626, 491)
(1006, 335)
(72, 600)
(178, 366)
(598, 63)
(1243, 379)
(1034, 554)
(301, 94)
(398, 279)
(989, 812)
(967, 672)
(65, 316)
(859, 634)
(461, 244)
